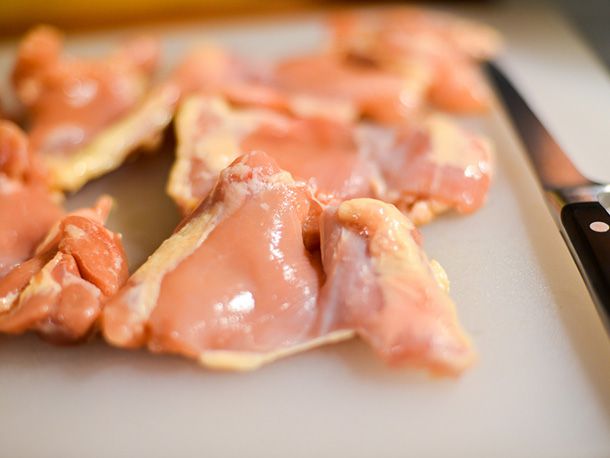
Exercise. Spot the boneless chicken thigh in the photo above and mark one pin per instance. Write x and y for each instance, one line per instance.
(242, 281)
(77, 106)
(202, 292)
(436, 50)
(59, 292)
(425, 168)
(211, 134)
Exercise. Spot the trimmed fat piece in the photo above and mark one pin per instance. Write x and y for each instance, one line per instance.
(424, 169)
(27, 209)
(237, 301)
(60, 291)
(77, 106)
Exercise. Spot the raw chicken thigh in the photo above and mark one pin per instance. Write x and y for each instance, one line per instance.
(438, 51)
(424, 169)
(77, 106)
(259, 298)
(211, 135)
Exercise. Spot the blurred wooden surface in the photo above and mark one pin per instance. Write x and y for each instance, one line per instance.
(591, 17)
(16, 16)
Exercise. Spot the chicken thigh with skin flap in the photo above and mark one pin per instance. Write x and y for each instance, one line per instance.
(271, 294)
(27, 208)
(60, 291)
(211, 135)
(77, 106)
(380, 283)
(226, 306)
(424, 169)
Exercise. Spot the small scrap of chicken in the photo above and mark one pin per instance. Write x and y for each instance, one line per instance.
(60, 291)
(236, 302)
(425, 168)
(80, 110)
(436, 51)
(27, 208)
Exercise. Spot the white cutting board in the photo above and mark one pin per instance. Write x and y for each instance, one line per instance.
(540, 389)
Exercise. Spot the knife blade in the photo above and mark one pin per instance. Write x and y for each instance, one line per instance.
(580, 207)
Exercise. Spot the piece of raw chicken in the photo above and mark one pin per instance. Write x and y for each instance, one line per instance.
(27, 208)
(242, 282)
(80, 109)
(374, 92)
(212, 70)
(439, 52)
(425, 168)
(380, 283)
(60, 291)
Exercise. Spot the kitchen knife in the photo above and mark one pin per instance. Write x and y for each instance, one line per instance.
(580, 207)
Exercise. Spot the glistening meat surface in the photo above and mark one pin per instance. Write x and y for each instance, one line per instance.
(76, 104)
(425, 168)
(242, 281)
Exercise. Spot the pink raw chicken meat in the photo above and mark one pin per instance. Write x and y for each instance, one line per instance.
(77, 106)
(27, 208)
(430, 167)
(70, 100)
(211, 135)
(438, 50)
(212, 70)
(424, 169)
(375, 93)
(380, 283)
(242, 282)
(60, 291)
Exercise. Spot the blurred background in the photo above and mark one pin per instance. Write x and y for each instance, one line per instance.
(590, 17)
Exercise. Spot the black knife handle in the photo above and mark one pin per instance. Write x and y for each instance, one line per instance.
(590, 249)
